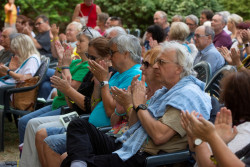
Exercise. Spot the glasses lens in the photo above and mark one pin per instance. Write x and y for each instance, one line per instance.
(145, 63)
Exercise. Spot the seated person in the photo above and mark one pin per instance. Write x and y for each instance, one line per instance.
(122, 97)
(224, 139)
(26, 61)
(71, 32)
(74, 71)
(5, 53)
(155, 128)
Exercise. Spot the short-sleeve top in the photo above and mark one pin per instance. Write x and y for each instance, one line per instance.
(44, 40)
(78, 72)
(29, 66)
(98, 116)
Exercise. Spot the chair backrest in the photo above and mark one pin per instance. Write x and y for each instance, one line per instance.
(41, 72)
(213, 87)
(203, 70)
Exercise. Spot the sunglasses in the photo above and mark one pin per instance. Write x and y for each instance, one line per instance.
(145, 63)
(90, 57)
(86, 29)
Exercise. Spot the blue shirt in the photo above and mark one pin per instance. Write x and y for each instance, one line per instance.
(211, 55)
(98, 116)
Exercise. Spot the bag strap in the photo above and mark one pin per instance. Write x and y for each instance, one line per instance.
(89, 11)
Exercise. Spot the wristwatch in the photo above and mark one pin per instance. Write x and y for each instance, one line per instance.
(197, 142)
(141, 107)
(103, 83)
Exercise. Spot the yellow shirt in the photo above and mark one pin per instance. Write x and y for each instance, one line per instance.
(10, 15)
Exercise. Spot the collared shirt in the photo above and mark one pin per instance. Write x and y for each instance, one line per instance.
(211, 55)
(222, 39)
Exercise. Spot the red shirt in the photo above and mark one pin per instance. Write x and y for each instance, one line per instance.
(89, 11)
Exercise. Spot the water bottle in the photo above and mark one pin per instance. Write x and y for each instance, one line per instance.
(18, 10)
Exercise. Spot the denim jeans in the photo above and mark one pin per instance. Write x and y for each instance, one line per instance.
(45, 87)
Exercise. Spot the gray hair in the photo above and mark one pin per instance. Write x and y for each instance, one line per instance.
(77, 25)
(11, 30)
(163, 15)
(209, 31)
(183, 57)
(224, 18)
(118, 29)
(177, 17)
(225, 14)
(193, 18)
(89, 32)
(128, 43)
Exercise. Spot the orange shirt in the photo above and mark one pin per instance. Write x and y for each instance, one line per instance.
(10, 15)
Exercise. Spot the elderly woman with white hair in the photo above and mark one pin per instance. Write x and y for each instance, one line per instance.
(156, 127)
(114, 31)
(26, 60)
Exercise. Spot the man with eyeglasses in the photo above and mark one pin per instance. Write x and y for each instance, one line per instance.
(192, 21)
(6, 54)
(203, 37)
(42, 40)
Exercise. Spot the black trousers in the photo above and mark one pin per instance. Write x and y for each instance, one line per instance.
(86, 143)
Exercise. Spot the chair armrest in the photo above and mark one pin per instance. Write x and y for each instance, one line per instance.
(65, 110)
(104, 129)
(167, 158)
(84, 116)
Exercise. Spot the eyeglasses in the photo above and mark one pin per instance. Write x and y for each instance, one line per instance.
(38, 24)
(113, 52)
(91, 57)
(198, 35)
(145, 63)
(86, 29)
(161, 61)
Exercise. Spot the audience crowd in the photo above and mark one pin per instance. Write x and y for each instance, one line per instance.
(145, 89)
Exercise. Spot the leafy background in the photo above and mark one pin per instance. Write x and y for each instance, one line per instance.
(135, 13)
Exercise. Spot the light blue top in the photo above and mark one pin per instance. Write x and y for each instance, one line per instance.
(211, 55)
(187, 95)
(98, 116)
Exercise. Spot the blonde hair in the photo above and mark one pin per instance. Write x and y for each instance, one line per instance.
(152, 54)
(178, 31)
(234, 18)
(24, 47)
(78, 26)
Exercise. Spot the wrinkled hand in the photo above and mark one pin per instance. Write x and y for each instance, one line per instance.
(226, 54)
(100, 71)
(223, 125)
(3, 69)
(152, 43)
(60, 84)
(138, 90)
(59, 50)
(239, 37)
(200, 127)
(66, 61)
(245, 36)
(54, 30)
(122, 97)
(14, 63)
(62, 38)
(235, 55)
(185, 123)
(26, 31)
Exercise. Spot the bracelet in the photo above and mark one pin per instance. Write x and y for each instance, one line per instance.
(213, 160)
(8, 71)
(239, 67)
(70, 100)
(129, 108)
(58, 69)
(95, 101)
(120, 115)
(54, 39)
(65, 68)
(240, 46)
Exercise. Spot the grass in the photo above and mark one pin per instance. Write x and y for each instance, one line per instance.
(11, 142)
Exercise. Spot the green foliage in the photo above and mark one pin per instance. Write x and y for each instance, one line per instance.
(139, 13)
(240, 7)
(135, 13)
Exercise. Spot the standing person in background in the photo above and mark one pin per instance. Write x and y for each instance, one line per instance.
(101, 23)
(89, 11)
(10, 14)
